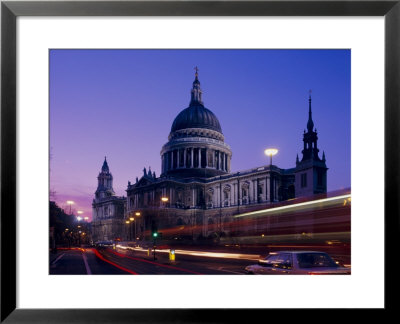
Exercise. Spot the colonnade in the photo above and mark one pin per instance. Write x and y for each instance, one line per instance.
(195, 157)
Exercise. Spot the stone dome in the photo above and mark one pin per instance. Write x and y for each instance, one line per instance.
(196, 116)
(195, 147)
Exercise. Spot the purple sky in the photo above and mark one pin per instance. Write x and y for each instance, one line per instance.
(121, 104)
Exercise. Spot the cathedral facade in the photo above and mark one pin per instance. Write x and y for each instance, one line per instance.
(196, 187)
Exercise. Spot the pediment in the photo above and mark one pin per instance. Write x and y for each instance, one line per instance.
(144, 181)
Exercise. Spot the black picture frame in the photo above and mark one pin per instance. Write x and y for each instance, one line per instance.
(10, 10)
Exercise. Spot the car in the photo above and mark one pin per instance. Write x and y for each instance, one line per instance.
(297, 262)
(103, 244)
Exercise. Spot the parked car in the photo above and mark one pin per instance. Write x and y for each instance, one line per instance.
(297, 262)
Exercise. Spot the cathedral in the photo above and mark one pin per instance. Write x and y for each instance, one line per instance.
(196, 187)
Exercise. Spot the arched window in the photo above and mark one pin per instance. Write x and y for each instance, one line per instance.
(245, 193)
(209, 198)
(227, 195)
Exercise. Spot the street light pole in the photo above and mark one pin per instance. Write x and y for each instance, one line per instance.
(70, 203)
(129, 227)
(137, 215)
(271, 152)
(132, 219)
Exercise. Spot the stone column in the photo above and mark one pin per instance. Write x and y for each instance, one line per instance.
(184, 157)
(225, 164)
(234, 194)
(206, 158)
(239, 194)
(191, 159)
(213, 159)
(251, 190)
(199, 157)
(255, 190)
(172, 159)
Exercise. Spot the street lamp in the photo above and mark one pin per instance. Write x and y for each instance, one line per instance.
(70, 203)
(132, 219)
(165, 200)
(137, 215)
(271, 152)
(127, 222)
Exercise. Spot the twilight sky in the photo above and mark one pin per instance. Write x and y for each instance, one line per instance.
(121, 104)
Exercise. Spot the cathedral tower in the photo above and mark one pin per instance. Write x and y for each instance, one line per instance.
(311, 171)
(104, 182)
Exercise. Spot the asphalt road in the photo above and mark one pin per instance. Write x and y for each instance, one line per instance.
(120, 261)
(142, 263)
(80, 262)
(123, 260)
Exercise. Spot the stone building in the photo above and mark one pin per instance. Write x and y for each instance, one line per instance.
(107, 209)
(196, 178)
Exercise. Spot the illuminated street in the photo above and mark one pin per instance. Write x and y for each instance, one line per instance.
(123, 260)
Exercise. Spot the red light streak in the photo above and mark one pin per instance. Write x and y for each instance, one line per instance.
(112, 263)
(155, 263)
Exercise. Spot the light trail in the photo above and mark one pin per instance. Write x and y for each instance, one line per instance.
(112, 263)
(200, 253)
(294, 206)
(155, 263)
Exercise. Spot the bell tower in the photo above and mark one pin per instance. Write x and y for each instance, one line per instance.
(310, 171)
(104, 182)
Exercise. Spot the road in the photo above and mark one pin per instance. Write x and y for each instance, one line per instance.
(123, 261)
(80, 262)
(140, 261)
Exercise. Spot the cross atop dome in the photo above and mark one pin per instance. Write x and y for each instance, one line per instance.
(196, 91)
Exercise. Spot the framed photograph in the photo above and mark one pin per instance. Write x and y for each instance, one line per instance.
(194, 144)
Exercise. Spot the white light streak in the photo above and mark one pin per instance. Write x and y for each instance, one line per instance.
(294, 206)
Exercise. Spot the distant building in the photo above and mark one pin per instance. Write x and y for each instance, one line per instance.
(107, 208)
(196, 178)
